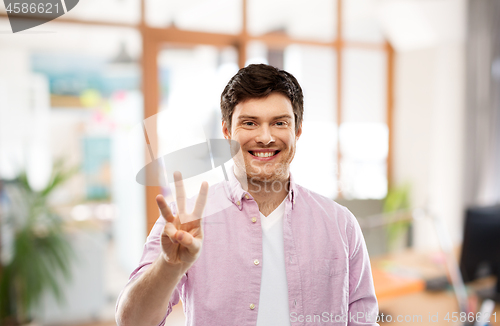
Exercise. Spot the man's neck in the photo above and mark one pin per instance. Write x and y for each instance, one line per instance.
(268, 194)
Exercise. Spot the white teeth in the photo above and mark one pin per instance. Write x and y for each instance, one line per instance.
(263, 154)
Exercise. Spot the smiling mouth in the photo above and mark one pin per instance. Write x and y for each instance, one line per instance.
(264, 154)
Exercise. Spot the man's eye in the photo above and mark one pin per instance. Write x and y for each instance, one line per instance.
(281, 123)
(248, 123)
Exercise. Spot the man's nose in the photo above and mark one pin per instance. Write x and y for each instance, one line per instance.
(265, 136)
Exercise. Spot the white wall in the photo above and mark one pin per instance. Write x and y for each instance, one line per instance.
(429, 119)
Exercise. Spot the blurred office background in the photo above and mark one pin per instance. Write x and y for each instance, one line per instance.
(402, 112)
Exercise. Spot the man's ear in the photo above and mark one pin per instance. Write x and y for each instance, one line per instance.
(225, 130)
(299, 132)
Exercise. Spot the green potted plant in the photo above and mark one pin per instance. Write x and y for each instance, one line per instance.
(397, 200)
(39, 253)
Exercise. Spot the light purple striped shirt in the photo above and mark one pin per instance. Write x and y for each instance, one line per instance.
(327, 265)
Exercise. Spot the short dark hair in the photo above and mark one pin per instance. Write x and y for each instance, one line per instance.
(258, 81)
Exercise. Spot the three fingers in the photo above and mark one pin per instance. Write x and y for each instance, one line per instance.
(176, 235)
(181, 199)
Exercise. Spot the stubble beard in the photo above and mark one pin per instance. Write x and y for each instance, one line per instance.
(265, 173)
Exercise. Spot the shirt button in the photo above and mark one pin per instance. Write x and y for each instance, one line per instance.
(252, 306)
(254, 219)
(294, 201)
(238, 203)
(247, 197)
(256, 262)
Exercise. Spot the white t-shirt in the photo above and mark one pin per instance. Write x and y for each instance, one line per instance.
(273, 300)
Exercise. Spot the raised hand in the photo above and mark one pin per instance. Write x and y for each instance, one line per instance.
(181, 243)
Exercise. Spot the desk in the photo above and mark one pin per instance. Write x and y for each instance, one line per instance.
(399, 280)
(405, 272)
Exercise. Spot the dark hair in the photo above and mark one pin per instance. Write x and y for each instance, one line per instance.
(258, 81)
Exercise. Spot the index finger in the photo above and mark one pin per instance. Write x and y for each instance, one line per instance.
(164, 209)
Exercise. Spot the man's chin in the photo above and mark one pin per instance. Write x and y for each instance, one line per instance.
(260, 178)
(269, 176)
(263, 173)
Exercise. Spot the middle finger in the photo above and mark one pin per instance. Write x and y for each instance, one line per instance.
(180, 193)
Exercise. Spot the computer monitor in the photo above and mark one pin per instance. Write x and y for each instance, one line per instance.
(481, 247)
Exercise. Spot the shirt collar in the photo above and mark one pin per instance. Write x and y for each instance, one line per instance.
(237, 195)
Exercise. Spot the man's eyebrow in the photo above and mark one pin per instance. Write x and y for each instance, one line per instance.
(251, 117)
(284, 116)
(241, 117)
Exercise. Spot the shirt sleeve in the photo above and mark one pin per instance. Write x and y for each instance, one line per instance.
(363, 306)
(152, 249)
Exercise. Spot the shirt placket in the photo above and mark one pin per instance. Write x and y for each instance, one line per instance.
(293, 274)
(254, 258)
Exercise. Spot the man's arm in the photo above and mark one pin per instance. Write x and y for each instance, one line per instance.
(362, 299)
(172, 248)
(145, 300)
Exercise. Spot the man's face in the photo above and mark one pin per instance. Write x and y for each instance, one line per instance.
(265, 130)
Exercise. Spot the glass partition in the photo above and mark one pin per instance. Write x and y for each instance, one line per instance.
(364, 132)
(315, 69)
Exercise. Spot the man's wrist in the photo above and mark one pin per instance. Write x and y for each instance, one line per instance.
(167, 268)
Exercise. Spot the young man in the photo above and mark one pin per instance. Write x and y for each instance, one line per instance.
(275, 253)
